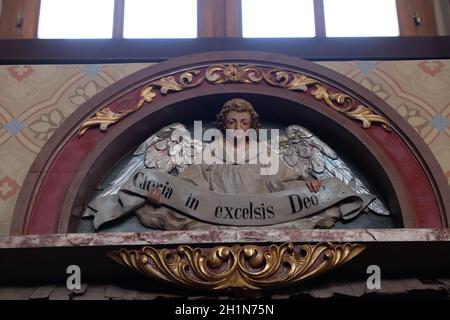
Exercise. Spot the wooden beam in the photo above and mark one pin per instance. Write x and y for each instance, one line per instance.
(319, 18)
(19, 19)
(211, 18)
(411, 12)
(44, 51)
(233, 18)
(219, 18)
(119, 16)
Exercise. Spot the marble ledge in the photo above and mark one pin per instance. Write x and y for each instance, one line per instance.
(232, 236)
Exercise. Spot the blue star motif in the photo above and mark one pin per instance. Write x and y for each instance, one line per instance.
(365, 67)
(14, 126)
(439, 122)
(91, 70)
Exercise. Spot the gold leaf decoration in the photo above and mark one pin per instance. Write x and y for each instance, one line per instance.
(235, 73)
(366, 116)
(147, 94)
(280, 78)
(247, 266)
(360, 112)
(338, 101)
(106, 117)
(185, 81)
(321, 93)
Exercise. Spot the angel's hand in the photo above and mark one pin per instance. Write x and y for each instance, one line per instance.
(154, 197)
(314, 185)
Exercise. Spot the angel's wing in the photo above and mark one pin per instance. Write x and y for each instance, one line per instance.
(309, 156)
(170, 148)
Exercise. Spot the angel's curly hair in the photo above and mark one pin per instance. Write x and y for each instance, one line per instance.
(239, 105)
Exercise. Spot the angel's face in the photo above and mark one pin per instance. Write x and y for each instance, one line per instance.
(238, 120)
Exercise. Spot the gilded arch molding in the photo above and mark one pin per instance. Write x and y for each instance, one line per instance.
(235, 73)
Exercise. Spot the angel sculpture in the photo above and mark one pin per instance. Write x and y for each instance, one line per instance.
(305, 162)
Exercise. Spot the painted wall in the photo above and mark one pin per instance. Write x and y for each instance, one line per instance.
(442, 11)
(35, 100)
